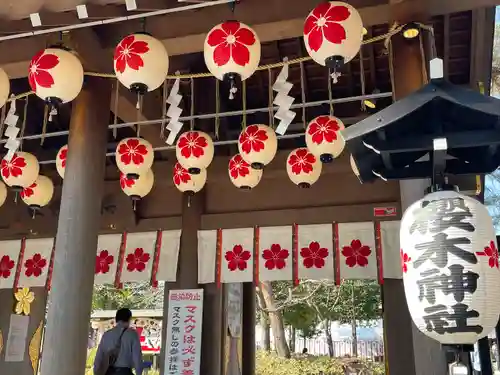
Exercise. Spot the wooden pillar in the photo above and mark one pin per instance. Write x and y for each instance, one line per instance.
(248, 329)
(70, 301)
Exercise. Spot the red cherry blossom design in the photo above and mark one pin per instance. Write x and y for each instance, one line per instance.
(63, 156)
(490, 251)
(103, 261)
(237, 258)
(29, 191)
(137, 260)
(302, 161)
(238, 167)
(192, 143)
(128, 53)
(231, 40)
(314, 255)
(34, 266)
(126, 182)
(181, 175)
(323, 23)
(356, 254)
(252, 139)
(132, 151)
(405, 259)
(39, 70)
(324, 128)
(6, 266)
(14, 167)
(275, 257)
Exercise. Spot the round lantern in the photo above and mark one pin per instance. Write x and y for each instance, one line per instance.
(242, 175)
(333, 33)
(4, 87)
(187, 182)
(56, 75)
(258, 145)
(303, 168)
(194, 151)
(134, 156)
(231, 50)
(323, 139)
(137, 188)
(141, 62)
(3, 193)
(20, 171)
(38, 194)
(450, 266)
(61, 160)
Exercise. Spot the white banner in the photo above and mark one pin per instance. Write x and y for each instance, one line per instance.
(16, 338)
(36, 262)
(9, 256)
(184, 327)
(169, 254)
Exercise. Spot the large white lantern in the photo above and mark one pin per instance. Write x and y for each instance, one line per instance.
(258, 145)
(187, 182)
(20, 171)
(450, 267)
(62, 154)
(232, 49)
(38, 194)
(137, 188)
(323, 138)
(194, 151)
(242, 175)
(56, 75)
(134, 156)
(4, 87)
(3, 193)
(303, 168)
(141, 62)
(333, 33)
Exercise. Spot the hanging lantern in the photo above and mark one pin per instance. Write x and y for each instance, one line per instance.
(20, 171)
(194, 151)
(61, 160)
(134, 156)
(451, 274)
(258, 145)
(3, 193)
(38, 194)
(242, 175)
(56, 75)
(333, 33)
(303, 168)
(323, 139)
(232, 50)
(4, 87)
(141, 63)
(137, 188)
(187, 182)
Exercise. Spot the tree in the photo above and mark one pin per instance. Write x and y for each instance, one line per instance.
(132, 296)
(492, 196)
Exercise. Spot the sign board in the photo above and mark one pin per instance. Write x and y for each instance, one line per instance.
(150, 339)
(183, 345)
(16, 338)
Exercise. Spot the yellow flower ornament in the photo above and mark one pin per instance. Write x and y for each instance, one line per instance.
(24, 298)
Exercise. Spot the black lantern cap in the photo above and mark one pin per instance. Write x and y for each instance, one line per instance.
(399, 141)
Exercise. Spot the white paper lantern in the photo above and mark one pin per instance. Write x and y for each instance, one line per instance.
(141, 62)
(232, 48)
(333, 33)
(450, 267)
(4, 87)
(62, 154)
(21, 171)
(134, 156)
(39, 193)
(56, 75)
(194, 151)
(187, 182)
(3, 193)
(242, 175)
(258, 145)
(137, 188)
(323, 138)
(303, 168)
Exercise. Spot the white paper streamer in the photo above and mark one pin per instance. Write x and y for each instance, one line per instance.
(174, 112)
(283, 101)
(11, 131)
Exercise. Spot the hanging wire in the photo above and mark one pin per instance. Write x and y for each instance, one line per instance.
(140, 99)
(192, 105)
(217, 109)
(330, 92)
(270, 98)
(362, 77)
(2, 119)
(44, 125)
(115, 119)
(303, 93)
(23, 126)
(244, 105)
(164, 110)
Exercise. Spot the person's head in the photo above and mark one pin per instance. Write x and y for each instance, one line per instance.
(304, 351)
(123, 317)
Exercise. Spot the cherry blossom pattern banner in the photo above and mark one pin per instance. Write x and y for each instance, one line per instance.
(335, 251)
(36, 262)
(9, 260)
(106, 261)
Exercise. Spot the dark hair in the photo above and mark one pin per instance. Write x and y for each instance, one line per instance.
(123, 315)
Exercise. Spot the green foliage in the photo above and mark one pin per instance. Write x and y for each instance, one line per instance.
(360, 299)
(132, 296)
(303, 318)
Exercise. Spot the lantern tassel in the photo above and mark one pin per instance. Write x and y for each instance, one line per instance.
(335, 76)
(233, 89)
